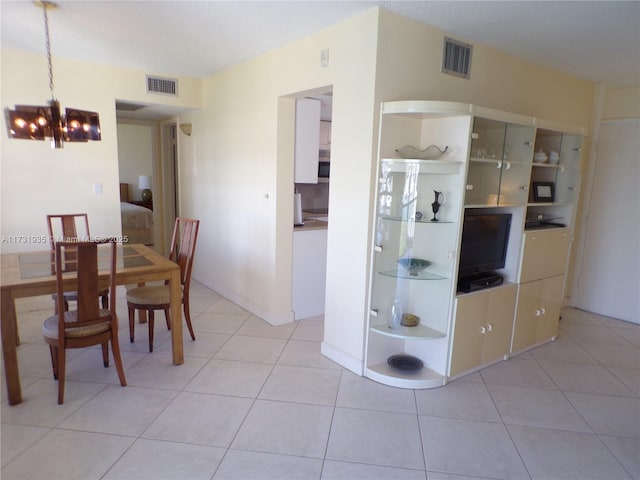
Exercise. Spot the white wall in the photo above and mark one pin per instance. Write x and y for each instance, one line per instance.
(37, 180)
(135, 154)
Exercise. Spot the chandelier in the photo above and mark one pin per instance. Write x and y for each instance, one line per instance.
(35, 122)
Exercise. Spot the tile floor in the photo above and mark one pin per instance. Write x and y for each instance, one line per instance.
(254, 401)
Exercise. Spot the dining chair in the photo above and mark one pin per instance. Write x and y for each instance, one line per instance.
(158, 297)
(76, 264)
(65, 228)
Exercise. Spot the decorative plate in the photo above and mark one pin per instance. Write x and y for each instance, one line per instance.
(413, 265)
(430, 153)
(405, 362)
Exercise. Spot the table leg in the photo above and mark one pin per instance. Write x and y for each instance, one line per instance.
(8, 331)
(176, 318)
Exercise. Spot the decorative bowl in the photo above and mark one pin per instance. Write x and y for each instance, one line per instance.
(430, 153)
(409, 320)
(539, 157)
(405, 362)
(413, 265)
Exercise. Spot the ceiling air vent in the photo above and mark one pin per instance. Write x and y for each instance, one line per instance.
(166, 86)
(456, 58)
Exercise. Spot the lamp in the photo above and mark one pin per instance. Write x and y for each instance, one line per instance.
(37, 122)
(144, 184)
(186, 128)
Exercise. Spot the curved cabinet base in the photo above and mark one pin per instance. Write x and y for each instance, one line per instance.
(425, 378)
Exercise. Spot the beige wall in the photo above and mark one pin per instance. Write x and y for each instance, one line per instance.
(36, 179)
(136, 143)
(621, 103)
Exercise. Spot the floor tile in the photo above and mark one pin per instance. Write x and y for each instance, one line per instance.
(377, 438)
(87, 456)
(302, 385)
(563, 349)
(609, 415)
(228, 377)
(240, 465)
(467, 447)
(200, 419)
(159, 460)
(158, 371)
(285, 428)
(360, 392)
(334, 470)
(585, 379)
(460, 399)
(537, 408)
(309, 329)
(305, 353)
(17, 438)
(518, 372)
(104, 412)
(614, 355)
(252, 349)
(627, 451)
(629, 376)
(206, 344)
(217, 323)
(227, 307)
(256, 327)
(557, 454)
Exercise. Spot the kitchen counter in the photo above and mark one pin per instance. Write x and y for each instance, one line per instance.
(311, 224)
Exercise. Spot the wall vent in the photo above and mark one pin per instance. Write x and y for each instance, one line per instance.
(456, 58)
(166, 86)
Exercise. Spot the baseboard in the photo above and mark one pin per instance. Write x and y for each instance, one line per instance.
(349, 362)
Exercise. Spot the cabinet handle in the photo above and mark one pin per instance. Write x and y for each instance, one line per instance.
(523, 187)
(377, 248)
(538, 312)
(528, 143)
(498, 165)
(543, 311)
(483, 330)
(489, 327)
(373, 312)
(475, 136)
(508, 166)
(469, 187)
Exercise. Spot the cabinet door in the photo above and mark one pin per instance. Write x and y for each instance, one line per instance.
(325, 135)
(467, 335)
(307, 148)
(544, 254)
(499, 323)
(551, 302)
(527, 312)
(516, 164)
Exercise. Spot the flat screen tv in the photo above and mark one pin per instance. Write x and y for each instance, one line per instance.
(485, 237)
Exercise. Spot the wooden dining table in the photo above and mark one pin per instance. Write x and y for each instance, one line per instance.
(30, 274)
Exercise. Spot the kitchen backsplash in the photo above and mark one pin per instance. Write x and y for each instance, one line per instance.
(313, 195)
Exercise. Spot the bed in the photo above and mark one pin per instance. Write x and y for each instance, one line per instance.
(137, 221)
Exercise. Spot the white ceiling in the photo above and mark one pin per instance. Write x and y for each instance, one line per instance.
(593, 40)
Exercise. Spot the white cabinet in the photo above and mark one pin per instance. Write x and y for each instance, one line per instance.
(325, 135)
(483, 327)
(309, 273)
(537, 312)
(307, 144)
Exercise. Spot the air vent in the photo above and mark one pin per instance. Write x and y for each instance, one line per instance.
(166, 86)
(456, 58)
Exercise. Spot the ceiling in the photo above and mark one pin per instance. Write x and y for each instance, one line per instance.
(593, 40)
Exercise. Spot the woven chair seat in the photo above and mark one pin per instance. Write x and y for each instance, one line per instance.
(50, 327)
(151, 295)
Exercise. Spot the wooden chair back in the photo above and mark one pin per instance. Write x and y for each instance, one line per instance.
(85, 282)
(65, 228)
(183, 247)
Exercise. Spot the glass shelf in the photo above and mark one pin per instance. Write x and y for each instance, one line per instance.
(400, 219)
(443, 167)
(419, 331)
(421, 275)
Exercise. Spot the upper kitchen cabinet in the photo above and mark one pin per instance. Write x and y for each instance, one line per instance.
(555, 178)
(325, 135)
(500, 160)
(307, 147)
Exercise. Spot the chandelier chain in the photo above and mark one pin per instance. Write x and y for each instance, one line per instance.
(48, 44)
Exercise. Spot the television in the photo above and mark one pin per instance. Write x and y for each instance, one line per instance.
(485, 237)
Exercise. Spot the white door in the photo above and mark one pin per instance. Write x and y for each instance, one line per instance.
(609, 282)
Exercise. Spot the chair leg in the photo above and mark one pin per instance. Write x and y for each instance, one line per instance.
(151, 330)
(105, 354)
(61, 373)
(187, 316)
(132, 313)
(54, 361)
(115, 346)
(167, 318)
(105, 301)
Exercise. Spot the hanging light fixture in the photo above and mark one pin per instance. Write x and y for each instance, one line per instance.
(37, 122)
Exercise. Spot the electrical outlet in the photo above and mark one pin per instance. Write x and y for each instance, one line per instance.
(324, 58)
